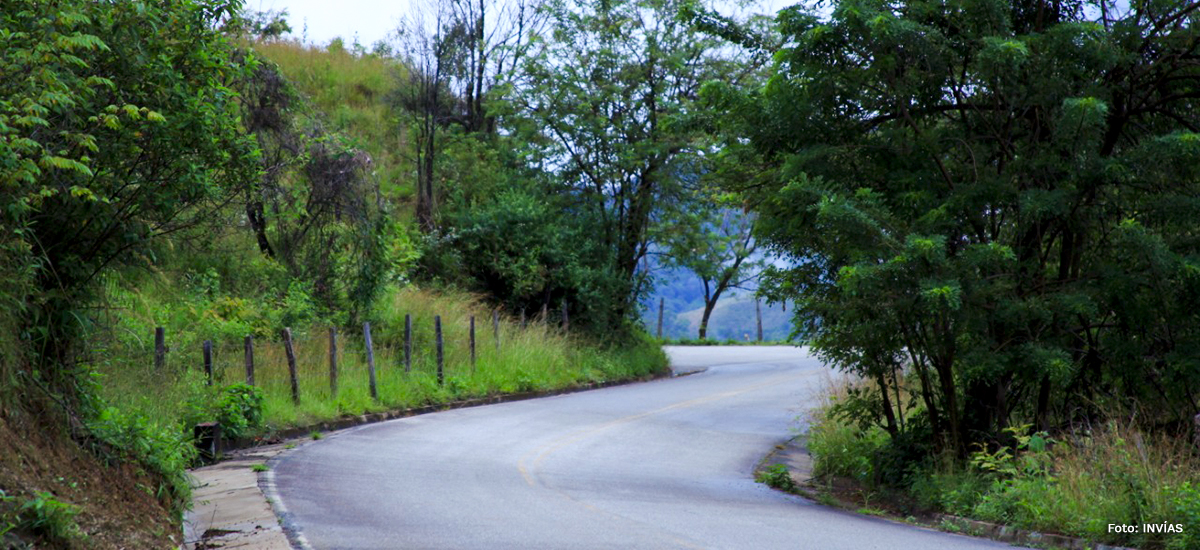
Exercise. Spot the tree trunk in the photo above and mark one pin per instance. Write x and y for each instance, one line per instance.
(258, 223)
(888, 414)
(1043, 404)
(708, 309)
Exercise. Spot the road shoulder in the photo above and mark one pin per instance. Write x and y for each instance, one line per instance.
(229, 508)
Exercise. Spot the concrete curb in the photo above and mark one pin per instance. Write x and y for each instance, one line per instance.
(235, 507)
(795, 457)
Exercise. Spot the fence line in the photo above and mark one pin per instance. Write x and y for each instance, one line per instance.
(289, 347)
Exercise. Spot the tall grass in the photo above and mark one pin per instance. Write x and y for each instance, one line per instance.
(534, 357)
(353, 93)
(1075, 482)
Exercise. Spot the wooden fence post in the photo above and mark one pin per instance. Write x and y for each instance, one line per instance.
(160, 348)
(522, 317)
(291, 360)
(437, 331)
(758, 315)
(370, 362)
(407, 342)
(250, 359)
(208, 368)
(333, 367)
(660, 317)
(566, 323)
(496, 328)
(472, 343)
(545, 313)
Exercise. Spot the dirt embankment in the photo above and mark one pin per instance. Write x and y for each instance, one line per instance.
(51, 483)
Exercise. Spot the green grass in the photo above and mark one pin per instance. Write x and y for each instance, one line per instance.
(1076, 485)
(536, 357)
(352, 92)
(259, 468)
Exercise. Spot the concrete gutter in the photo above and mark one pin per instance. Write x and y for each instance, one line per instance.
(228, 507)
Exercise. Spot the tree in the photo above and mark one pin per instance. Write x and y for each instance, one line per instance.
(311, 207)
(427, 56)
(116, 126)
(601, 98)
(1000, 193)
(719, 247)
(455, 52)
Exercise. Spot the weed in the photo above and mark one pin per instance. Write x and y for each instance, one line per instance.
(259, 468)
(239, 410)
(316, 436)
(45, 516)
(777, 476)
(162, 447)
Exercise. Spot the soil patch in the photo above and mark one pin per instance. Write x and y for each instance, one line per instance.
(116, 505)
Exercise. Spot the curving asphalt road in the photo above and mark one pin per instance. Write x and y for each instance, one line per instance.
(663, 464)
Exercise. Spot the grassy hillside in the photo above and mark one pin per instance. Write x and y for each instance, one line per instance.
(226, 289)
(351, 93)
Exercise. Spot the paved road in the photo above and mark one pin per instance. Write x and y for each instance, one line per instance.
(664, 464)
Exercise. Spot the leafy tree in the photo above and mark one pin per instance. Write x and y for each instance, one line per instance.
(312, 207)
(718, 246)
(117, 125)
(1001, 193)
(455, 53)
(263, 25)
(600, 100)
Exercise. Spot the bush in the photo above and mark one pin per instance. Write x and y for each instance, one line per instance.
(1076, 484)
(841, 449)
(955, 490)
(44, 516)
(240, 410)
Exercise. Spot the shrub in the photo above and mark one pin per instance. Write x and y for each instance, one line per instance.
(164, 449)
(240, 410)
(839, 449)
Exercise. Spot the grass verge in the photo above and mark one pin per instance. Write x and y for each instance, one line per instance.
(511, 359)
(1076, 483)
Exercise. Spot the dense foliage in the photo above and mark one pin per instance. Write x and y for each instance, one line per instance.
(111, 136)
(1000, 195)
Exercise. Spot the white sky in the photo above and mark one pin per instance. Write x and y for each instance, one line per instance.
(372, 20)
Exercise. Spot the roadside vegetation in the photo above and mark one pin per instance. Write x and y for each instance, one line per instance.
(985, 209)
(1075, 483)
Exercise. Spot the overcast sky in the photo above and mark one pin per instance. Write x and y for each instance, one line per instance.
(372, 20)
